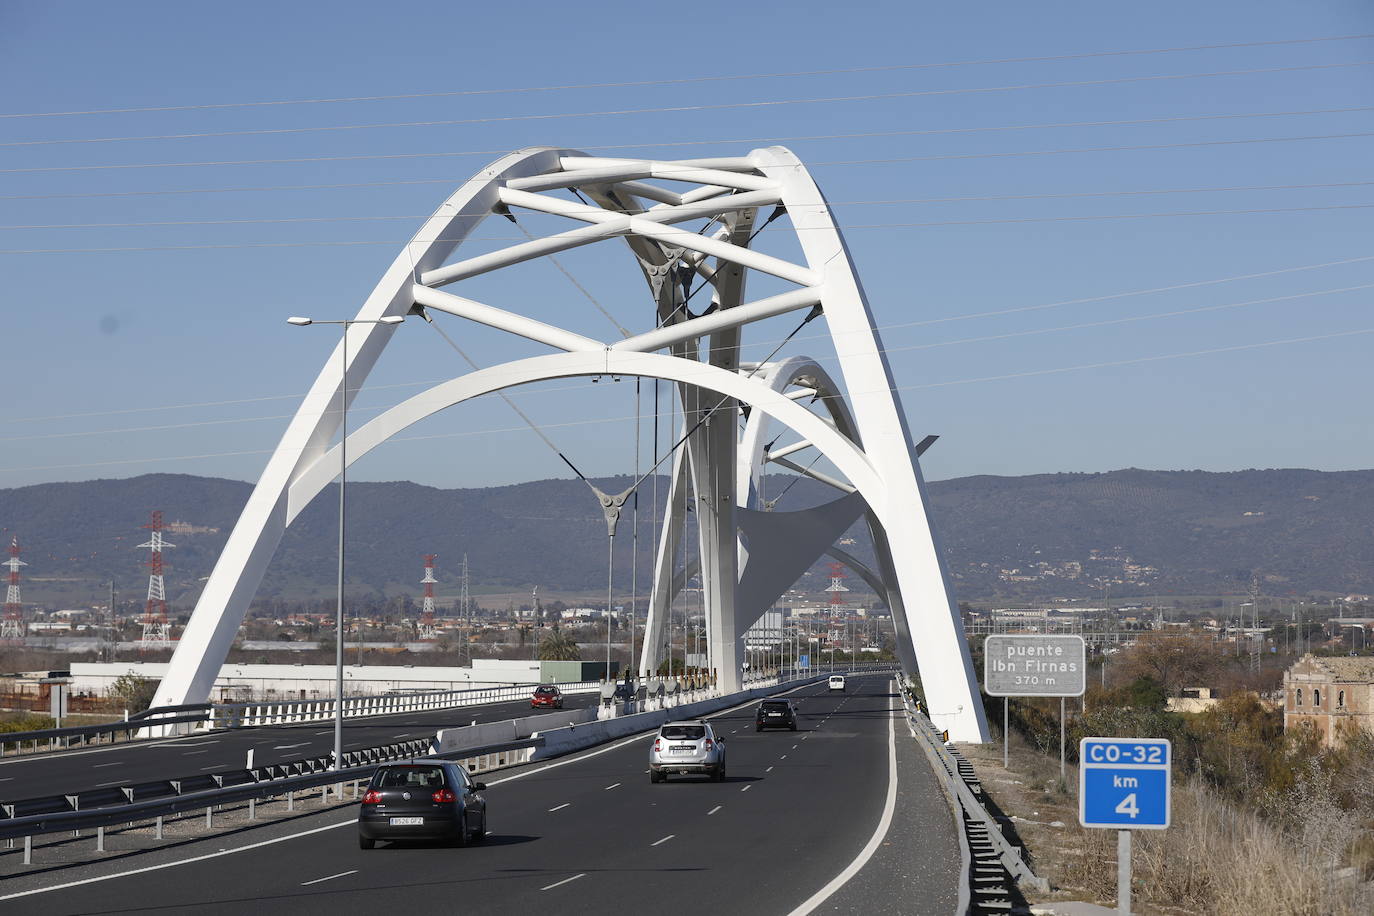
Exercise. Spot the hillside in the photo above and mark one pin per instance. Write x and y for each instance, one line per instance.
(1123, 532)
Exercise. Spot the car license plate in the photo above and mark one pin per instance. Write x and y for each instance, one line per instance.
(772, 714)
(682, 749)
(407, 821)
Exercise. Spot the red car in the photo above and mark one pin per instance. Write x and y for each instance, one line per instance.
(546, 696)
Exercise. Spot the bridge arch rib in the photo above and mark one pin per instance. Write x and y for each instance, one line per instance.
(867, 437)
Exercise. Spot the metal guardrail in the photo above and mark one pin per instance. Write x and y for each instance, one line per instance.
(56, 738)
(242, 715)
(156, 800)
(992, 860)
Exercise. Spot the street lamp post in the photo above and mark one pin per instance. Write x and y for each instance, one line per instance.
(343, 466)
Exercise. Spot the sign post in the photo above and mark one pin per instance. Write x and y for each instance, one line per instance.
(1034, 666)
(1123, 784)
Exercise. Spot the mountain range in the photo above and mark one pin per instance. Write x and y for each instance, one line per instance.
(1010, 539)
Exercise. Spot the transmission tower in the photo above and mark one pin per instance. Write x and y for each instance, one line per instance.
(466, 609)
(427, 609)
(156, 632)
(836, 588)
(12, 629)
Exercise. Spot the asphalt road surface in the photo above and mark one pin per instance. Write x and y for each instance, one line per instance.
(585, 834)
(124, 764)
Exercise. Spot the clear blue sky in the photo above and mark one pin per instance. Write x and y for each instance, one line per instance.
(158, 357)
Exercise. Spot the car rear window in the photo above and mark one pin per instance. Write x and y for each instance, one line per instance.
(684, 732)
(775, 706)
(410, 778)
(545, 691)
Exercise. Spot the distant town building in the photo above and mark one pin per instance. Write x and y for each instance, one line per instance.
(1335, 695)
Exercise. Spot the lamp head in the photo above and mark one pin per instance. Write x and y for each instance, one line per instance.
(299, 322)
(391, 319)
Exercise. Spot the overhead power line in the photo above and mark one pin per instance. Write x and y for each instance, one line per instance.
(270, 220)
(570, 423)
(774, 344)
(860, 135)
(681, 109)
(355, 243)
(1194, 284)
(888, 68)
(296, 160)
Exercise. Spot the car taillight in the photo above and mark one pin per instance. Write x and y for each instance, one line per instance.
(372, 797)
(444, 795)
(658, 745)
(708, 744)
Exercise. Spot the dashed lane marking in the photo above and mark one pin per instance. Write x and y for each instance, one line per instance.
(746, 788)
(769, 770)
(342, 874)
(193, 753)
(713, 810)
(664, 840)
(287, 747)
(564, 881)
(783, 757)
(561, 807)
(99, 765)
(611, 786)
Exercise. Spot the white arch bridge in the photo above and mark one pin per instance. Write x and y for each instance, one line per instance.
(748, 555)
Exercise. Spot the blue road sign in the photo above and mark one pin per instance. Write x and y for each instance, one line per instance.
(804, 661)
(1123, 783)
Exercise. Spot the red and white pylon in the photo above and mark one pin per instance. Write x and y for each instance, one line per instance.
(837, 587)
(427, 631)
(156, 631)
(12, 628)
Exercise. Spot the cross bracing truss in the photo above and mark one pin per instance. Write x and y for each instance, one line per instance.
(745, 553)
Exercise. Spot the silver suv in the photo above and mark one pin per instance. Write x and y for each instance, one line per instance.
(687, 747)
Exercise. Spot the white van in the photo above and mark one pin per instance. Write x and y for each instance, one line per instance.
(837, 682)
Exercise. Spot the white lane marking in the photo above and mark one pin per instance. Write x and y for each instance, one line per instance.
(193, 753)
(853, 868)
(342, 874)
(783, 757)
(216, 766)
(106, 785)
(794, 747)
(351, 822)
(664, 840)
(327, 731)
(713, 810)
(402, 735)
(99, 765)
(287, 747)
(746, 788)
(611, 786)
(564, 881)
(7, 778)
(769, 770)
(561, 807)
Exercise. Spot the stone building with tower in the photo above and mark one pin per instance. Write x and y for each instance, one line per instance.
(1333, 695)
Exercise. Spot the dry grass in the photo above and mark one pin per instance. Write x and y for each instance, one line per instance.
(1218, 858)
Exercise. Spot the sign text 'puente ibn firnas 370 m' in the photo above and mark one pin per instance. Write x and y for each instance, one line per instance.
(688, 224)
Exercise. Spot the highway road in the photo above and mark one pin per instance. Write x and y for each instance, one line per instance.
(123, 764)
(799, 812)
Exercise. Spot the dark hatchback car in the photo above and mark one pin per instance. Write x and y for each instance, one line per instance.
(776, 714)
(422, 800)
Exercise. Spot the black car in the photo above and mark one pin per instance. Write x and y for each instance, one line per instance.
(422, 800)
(776, 714)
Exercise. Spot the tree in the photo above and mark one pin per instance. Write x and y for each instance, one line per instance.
(1173, 661)
(136, 693)
(559, 647)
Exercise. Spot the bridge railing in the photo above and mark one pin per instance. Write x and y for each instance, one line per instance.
(285, 712)
(51, 739)
(988, 858)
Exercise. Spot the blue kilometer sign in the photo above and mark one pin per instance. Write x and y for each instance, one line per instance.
(1123, 783)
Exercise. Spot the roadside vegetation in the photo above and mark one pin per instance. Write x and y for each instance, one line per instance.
(1263, 821)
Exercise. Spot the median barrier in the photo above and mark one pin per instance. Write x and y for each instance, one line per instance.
(560, 741)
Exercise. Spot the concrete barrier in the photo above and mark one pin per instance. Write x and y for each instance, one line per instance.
(449, 740)
(558, 741)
